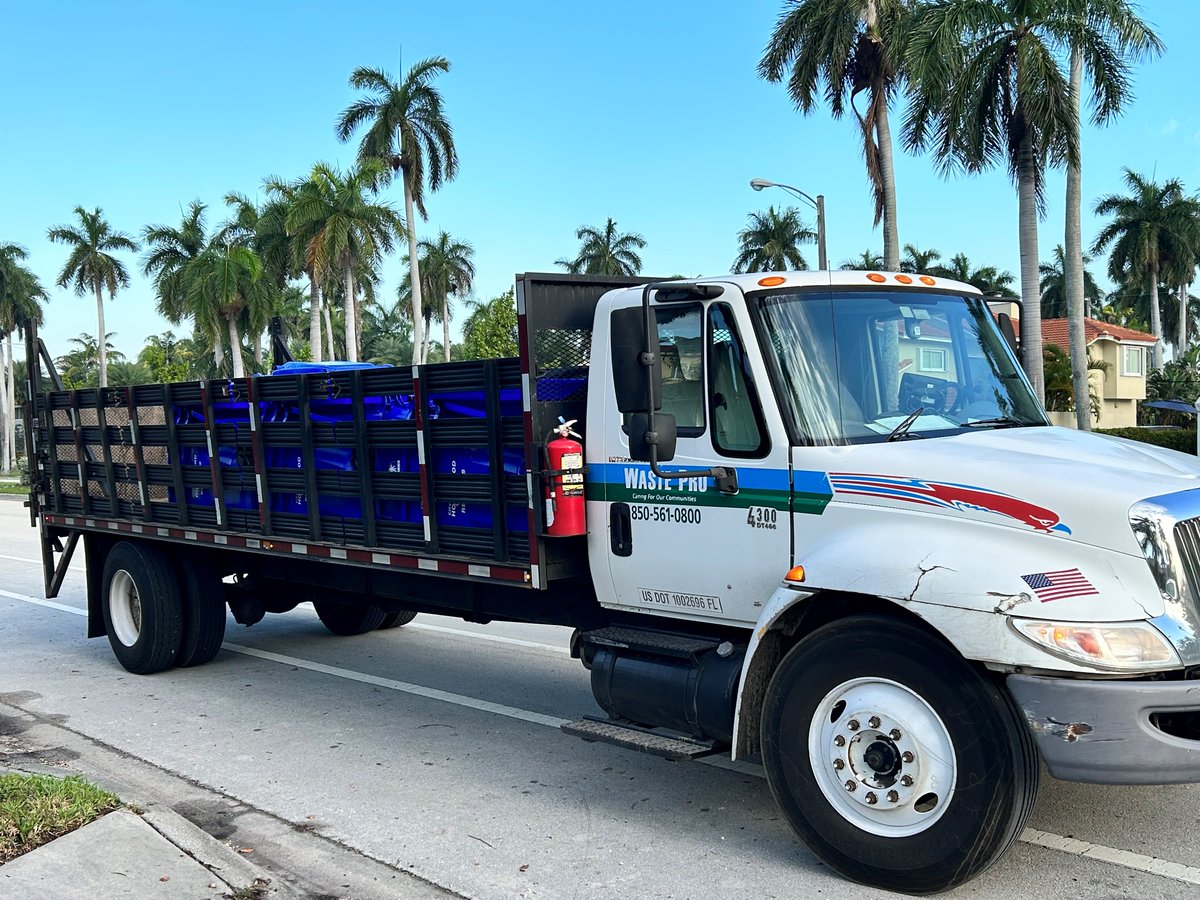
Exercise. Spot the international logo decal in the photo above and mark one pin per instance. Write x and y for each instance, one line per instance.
(948, 495)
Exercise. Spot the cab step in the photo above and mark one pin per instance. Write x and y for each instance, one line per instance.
(634, 737)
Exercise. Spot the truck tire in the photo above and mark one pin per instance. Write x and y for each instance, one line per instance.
(396, 619)
(142, 607)
(348, 620)
(203, 613)
(893, 759)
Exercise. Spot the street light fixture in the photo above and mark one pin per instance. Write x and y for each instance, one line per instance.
(817, 203)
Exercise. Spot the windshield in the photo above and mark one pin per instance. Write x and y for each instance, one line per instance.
(855, 366)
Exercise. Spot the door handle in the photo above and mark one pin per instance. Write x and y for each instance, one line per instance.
(620, 529)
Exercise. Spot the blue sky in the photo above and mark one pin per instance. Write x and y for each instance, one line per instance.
(564, 114)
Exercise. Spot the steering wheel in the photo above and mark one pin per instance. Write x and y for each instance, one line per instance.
(915, 392)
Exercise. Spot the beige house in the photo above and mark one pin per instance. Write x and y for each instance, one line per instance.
(1127, 353)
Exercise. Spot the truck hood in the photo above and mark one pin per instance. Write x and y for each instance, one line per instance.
(1059, 481)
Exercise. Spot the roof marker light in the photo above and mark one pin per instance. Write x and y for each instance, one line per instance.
(771, 281)
(904, 279)
(876, 277)
(925, 279)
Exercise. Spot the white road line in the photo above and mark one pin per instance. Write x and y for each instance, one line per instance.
(38, 601)
(494, 638)
(1125, 858)
(22, 559)
(499, 709)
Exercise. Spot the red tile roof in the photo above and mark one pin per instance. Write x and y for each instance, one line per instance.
(1054, 331)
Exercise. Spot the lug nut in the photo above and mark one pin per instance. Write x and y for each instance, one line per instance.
(893, 796)
(871, 798)
(839, 740)
(907, 756)
(895, 734)
(839, 764)
(874, 721)
(852, 724)
(851, 785)
(906, 780)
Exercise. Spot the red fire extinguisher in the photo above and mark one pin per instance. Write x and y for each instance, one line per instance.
(564, 487)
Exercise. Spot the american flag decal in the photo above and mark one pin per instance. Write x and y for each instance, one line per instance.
(1059, 585)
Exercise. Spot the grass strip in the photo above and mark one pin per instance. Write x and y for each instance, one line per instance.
(35, 809)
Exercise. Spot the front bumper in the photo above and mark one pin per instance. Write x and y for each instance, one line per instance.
(1107, 732)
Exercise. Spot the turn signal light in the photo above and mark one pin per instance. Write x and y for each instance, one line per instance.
(796, 573)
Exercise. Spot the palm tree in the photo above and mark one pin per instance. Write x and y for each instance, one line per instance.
(915, 260)
(20, 296)
(605, 252)
(446, 268)
(988, 279)
(409, 131)
(91, 265)
(835, 50)
(770, 242)
(1126, 35)
(1151, 226)
(865, 261)
(347, 228)
(1053, 285)
(987, 89)
(223, 283)
(168, 251)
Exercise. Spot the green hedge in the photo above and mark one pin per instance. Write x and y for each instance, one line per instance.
(1182, 439)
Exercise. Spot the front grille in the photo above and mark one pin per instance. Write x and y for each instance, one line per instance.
(1187, 540)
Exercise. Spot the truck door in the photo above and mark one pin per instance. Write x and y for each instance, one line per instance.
(679, 546)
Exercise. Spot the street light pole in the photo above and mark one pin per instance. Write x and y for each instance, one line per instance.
(817, 203)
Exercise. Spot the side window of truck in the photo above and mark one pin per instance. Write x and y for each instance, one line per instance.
(736, 413)
(682, 349)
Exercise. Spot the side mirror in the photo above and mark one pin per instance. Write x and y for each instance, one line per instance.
(628, 339)
(1010, 334)
(641, 438)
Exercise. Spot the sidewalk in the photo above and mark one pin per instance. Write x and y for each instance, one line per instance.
(158, 854)
(176, 839)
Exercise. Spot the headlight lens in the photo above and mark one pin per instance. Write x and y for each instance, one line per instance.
(1127, 646)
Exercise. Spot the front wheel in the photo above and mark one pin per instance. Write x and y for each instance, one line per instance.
(898, 763)
(396, 619)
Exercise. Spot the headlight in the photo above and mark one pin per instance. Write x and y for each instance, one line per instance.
(1127, 646)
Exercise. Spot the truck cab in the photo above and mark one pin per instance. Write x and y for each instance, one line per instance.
(853, 468)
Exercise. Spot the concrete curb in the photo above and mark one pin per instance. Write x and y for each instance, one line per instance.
(222, 860)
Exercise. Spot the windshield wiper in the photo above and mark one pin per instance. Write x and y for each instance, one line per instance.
(996, 422)
(901, 430)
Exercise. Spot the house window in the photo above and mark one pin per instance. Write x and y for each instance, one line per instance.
(1132, 361)
(932, 360)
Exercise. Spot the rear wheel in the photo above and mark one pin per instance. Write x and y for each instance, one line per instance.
(898, 763)
(203, 613)
(348, 620)
(142, 607)
(396, 619)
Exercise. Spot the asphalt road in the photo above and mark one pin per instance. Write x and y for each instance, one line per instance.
(434, 748)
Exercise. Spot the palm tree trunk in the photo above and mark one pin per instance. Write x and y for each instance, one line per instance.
(329, 330)
(235, 348)
(1181, 347)
(1073, 268)
(418, 337)
(6, 417)
(351, 331)
(12, 403)
(1031, 314)
(314, 317)
(446, 328)
(887, 174)
(258, 351)
(218, 351)
(1155, 316)
(102, 340)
